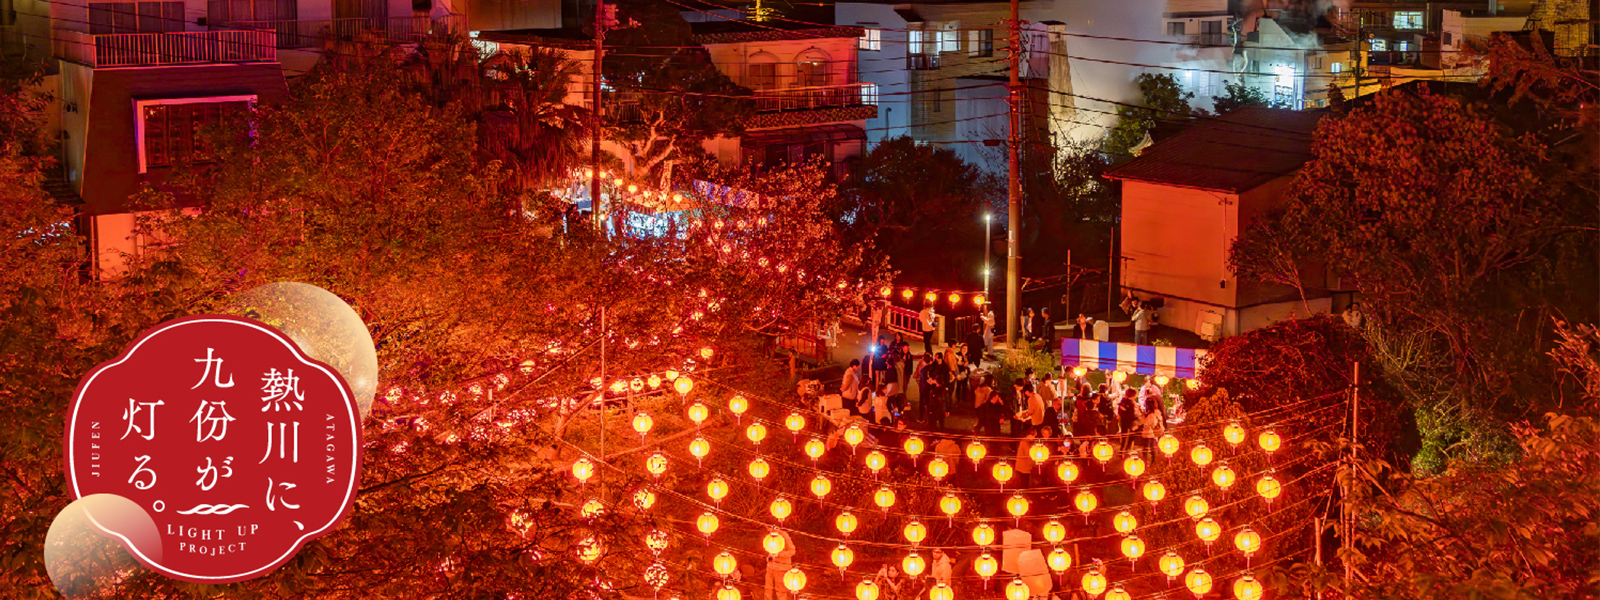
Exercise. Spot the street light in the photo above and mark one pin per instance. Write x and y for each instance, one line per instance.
(988, 237)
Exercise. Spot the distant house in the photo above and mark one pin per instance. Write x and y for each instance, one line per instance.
(1184, 201)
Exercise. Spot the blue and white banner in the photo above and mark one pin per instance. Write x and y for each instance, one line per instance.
(1182, 363)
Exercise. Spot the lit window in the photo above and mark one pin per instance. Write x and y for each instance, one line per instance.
(916, 41)
(949, 41)
(871, 39)
(1380, 45)
(1337, 67)
(1175, 28)
(869, 94)
(173, 133)
(1411, 19)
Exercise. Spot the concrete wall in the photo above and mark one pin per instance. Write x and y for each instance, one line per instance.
(1176, 241)
(885, 66)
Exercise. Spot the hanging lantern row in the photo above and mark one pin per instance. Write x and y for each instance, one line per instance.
(933, 297)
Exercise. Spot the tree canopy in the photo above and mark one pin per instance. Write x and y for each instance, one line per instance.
(1161, 99)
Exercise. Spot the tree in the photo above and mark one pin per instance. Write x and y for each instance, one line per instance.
(1238, 95)
(1266, 252)
(670, 97)
(1161, 99)
(908, 199)
(1069, 207)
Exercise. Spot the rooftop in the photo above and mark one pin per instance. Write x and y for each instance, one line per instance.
(1234, 153)
(733, 32)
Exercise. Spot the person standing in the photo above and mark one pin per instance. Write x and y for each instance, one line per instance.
(1153, 423)
(940, 570)
(1148, 393)
(924, 391)
(1052, 402)
(991, 409)
(1128, 419)
(937, 379)
(850, 386)
(1047, 328)
(930, 322)
(1085, 326)
(1024, 462)
(1352, 315)
(875, 319)
(1027, 324)
(902, 354)
(987, 316)
(1141, 324)
(881, 414)
(1085, 421)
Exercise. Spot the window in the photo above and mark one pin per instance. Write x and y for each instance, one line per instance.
(135, 17)
(1337, 68)
(1211, 33)
(1408, 19)
(1175, 28)
(172, 132)
(811, 74)
(1379, 45)
(235, 11)
(1402, 46)
(980, 42)
(916, 41)
(949, 41)
(1448, 41)
(869, 94)
(871, 39)
(763, 77)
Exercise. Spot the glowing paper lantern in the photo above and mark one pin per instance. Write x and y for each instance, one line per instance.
(653, 381)
(980, 299)
(590, 550)
(915, 532)
(941, 591)
(938, 469)
(1269, 441)
(1103, 451)
(1124, 522)
(1002, 472)
(756, 432)
(706, 353)
(845, 523)
(1054, 531)
(1171, 564)
(853, 435)
(656, 541)
(1017, 506)
(1223, 476)
(737, 405)
(866, 590)
(1234, 433)
(583, 469)
(1059, 560)
(1247, 541)
(975, 452)
(781, 508)
(1120, 376)
(1154, 491)
(1268, 487)
(773, 543)
(930, 297)
(815, 448)
(913, 565)
(700, 447)
(820, 486)
(1094, 583)
(1198, 581)
(1247, 588)
(950, 504)
(725, 564)
(885, 291)
(728, 592)
(1207, 530)
(683, 386)
(1117, 593)
(842, 557)
(795, 422)
(656, 575)
(717, 490)
(656, 464)
(1133, 465)
(884, 498)
(698, 413)
(1017, 590)
(1068, 471)
(642, 423)
(1079, 372)
(876, 461)
(905, 294)
(1132, 547)
(985, 566)
(707, 524)
(794, 580)
(644, 499)
(1168, 444)
(983, 534)
(1200, 454)
(591, 509)
(1196, 506)
(1162, 380)
(1085, 502)
(914, 446)
(759, 469)
(1039, 452)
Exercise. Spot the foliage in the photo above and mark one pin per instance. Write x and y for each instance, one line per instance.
(909, 200)
(1238, 95)
(1267, 252)
(1161, 99)
(676, 97)
(1068, 206)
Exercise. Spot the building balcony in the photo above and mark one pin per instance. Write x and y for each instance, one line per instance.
(161, 49)
(813, 97)
(300, 35)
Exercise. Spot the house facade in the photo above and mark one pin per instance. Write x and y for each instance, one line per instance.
(1185, 200)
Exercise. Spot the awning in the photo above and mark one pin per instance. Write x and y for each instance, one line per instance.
(835, 132)
(1183, 363)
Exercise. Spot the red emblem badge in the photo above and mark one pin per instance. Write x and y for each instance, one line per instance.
(237, 444)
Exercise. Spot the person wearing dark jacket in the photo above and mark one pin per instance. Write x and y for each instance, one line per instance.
(936, 384)
(1127, 416)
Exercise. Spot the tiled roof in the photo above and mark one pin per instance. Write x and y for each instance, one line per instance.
(1233, 153)
(733, 32)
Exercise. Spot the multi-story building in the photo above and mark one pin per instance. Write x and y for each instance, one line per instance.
(941, 69)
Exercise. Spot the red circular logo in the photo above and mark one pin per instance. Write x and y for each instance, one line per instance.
(237, 444)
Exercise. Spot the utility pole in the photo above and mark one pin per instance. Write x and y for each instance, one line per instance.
(988, 241)
(1014, 182)
(594, 110)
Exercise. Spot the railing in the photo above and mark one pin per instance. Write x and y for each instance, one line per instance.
(922, 61)
(807, 348)
(156, 49)
(805, 98)
(314, 34)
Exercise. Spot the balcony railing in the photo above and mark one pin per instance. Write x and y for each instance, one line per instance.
(315, 34)
(156, 49)
(922, 61)
(807, 98)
